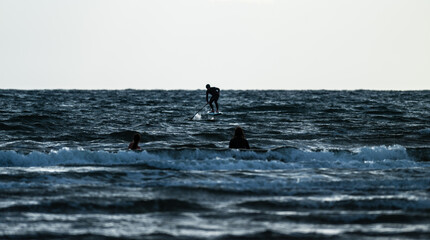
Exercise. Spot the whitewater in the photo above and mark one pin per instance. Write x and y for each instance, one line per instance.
(322, 165)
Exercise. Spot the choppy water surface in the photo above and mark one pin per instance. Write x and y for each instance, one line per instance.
(324, 165)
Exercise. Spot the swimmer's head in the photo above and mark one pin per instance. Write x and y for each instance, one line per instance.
(136, 138)
(238, 133)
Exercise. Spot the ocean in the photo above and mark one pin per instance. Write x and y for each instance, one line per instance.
(322, 165)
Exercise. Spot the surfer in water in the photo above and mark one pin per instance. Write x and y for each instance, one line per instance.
(135, 144)
(239, 140)
(214, 92)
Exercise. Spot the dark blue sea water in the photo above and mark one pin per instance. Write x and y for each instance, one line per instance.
(323, 165)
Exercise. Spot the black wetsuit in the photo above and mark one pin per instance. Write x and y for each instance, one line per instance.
(239, 143)
(214, 91)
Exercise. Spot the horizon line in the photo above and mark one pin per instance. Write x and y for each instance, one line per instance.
(198, 89)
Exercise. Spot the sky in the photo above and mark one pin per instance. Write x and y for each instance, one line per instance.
(231, 44)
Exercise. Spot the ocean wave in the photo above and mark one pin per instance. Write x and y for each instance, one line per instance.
(356, 203)
(92, 205)
(425, 131)
(378, 157)
(14, 127)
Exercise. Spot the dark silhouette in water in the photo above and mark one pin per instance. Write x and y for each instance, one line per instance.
(239, 141)
(214, 92)
(135, 144)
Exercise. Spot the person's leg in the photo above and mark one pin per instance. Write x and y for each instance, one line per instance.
(216, 103)
(210, 103)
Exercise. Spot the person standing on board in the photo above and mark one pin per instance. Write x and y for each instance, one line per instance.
(214, 92)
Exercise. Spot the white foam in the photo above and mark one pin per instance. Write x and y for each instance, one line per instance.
(197, 117)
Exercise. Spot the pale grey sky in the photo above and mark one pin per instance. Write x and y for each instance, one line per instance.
(232, 44)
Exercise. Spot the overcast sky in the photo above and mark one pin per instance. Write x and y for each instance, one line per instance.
(231, 44)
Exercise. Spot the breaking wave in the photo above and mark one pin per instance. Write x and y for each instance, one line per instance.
(377, 157)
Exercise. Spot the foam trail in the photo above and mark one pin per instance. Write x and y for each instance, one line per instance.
(197, 117)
